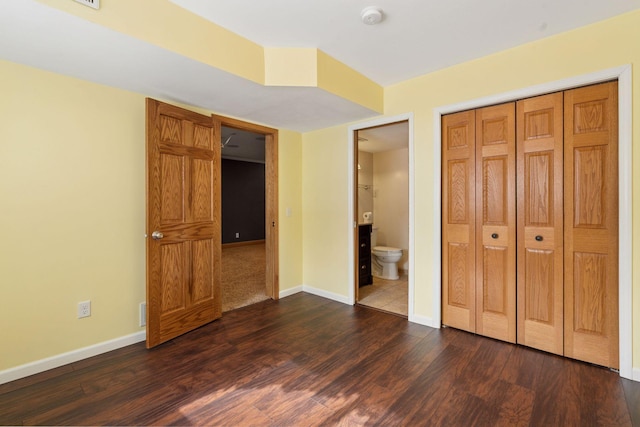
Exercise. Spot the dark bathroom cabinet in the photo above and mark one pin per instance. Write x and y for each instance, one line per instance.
(364, 254)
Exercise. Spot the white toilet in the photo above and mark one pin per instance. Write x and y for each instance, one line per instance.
(384, 260)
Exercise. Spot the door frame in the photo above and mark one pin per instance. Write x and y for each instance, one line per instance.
(623, 75)
(352, 224)
(272, 286)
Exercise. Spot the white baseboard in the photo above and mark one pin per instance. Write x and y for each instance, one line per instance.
(325, 294)
(290, 291)
(636, 374)
(423, 320)
(315, 291)
(52, 362)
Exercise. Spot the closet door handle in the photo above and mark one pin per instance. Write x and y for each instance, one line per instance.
(494, 236)
(539, 238)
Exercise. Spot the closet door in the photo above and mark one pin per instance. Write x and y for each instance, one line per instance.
(458, 221)
(540, 228)
(591, 224)
(496, 222)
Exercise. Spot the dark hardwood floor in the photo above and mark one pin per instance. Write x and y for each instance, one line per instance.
(309, 361)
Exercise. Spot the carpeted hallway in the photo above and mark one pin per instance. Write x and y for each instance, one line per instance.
(243, 275)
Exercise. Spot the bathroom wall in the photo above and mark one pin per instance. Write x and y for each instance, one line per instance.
(391, 200)
(365, 184)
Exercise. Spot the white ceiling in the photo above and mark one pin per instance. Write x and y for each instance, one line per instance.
(415, 37)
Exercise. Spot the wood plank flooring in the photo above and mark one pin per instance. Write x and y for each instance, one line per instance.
(306, 361)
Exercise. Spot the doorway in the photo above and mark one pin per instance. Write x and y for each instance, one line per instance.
(249, 217)
(382, 218)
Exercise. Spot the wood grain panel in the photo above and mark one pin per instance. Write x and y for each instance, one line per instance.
(174, 260)
(495, 193)
(458, 135)
(495, 270)
(538, 183)
(540, 224)
(170, 129)
(459, 275)
(202, 137)
(202, 270)
(591, 116)
(201, 190)
(589, 292)
(539, 281)
(458, 180)
(172, 209)
(458, 221)
(539, 124)
(495, 131)
(589, 174)
(591, 224)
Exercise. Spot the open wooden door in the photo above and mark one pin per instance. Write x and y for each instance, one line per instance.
(183, 221)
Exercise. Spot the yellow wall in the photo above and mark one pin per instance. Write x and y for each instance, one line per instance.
(325, 211)
(604, 45)
(72, 185)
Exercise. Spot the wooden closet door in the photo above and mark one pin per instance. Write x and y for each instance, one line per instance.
(540, 222)
(458, 221)
(591, 224)
(496, 222)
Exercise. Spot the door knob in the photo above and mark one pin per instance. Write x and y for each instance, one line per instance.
(494, 236)
(156, 235)
(539, 238)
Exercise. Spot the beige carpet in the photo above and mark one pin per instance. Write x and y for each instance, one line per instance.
(243, 276)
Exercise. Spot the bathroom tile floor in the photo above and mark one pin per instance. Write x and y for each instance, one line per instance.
(387, 295)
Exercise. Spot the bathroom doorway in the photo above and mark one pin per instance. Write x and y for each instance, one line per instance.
(382, 216)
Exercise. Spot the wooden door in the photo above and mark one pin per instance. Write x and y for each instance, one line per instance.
(540, 222)
(591, 224)
(495, 269)
(458, 221)
(183, 221)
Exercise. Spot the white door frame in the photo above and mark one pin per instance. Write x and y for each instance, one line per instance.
(625, 93)
(408, 117)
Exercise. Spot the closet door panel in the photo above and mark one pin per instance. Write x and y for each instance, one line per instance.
(540, 222)
(591, 224)
(458, 221)
(496, 222)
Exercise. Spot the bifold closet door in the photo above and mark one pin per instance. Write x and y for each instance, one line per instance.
(591, 224)
(496, 222)
(540, 222)
(458, 221)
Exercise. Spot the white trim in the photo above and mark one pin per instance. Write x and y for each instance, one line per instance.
(52, 362)
(290, 291)
(625, 92)
(636, 374)
(325, 294)
(407, 117)
(424, 320)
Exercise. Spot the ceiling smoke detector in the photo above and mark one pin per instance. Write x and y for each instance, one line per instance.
(371, 15)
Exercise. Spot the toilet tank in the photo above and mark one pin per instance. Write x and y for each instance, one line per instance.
(374, 237)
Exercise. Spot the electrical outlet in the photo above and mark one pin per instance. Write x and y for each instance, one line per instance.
(84, 309)
(143, 313)
(237, 235)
